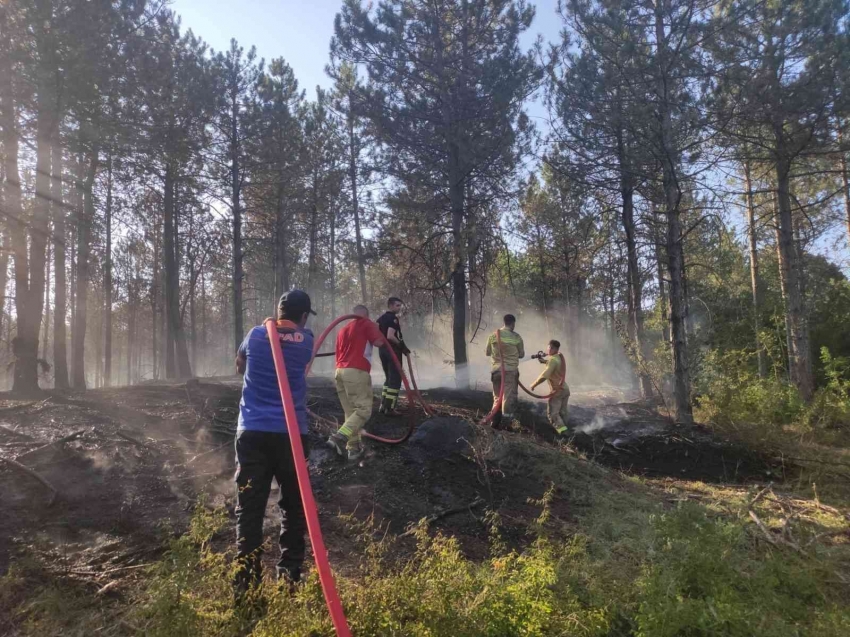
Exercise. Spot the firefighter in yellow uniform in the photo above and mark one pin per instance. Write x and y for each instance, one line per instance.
(556, 372)
(511, 351)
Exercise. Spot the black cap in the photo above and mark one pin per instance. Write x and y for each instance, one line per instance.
(295, 303)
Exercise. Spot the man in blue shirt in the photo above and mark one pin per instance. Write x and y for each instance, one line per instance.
(263, 448)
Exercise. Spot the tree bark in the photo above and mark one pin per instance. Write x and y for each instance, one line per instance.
(312, 265)
(789, 267)
(60, 300)
(635, 291)
(4, 265)
(458, 273)
(282, 236)
(45, 343)
(107, 281)
(132, 311)
(355, 202)
(754, 270)
(236, 193)
(177, 352)
(154, 298)
(84, 224)
(675, 252)
(845, 177)
(662, 285)
(30, 309)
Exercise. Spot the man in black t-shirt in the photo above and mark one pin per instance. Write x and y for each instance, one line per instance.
(391, 329)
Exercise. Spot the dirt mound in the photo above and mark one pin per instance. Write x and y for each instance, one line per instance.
(443, 437)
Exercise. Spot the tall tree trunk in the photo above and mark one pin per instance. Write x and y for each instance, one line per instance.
(107, 281)
(789, 267)
(332, 264)
(783, 291)
(203, 325)
(312, 256)
(97, 332)
(754, 270)
(845, 176)
(60, 300)
(177, 352)
(26, 374)
(30, 296)
(132, 311)
(5, 247)
(170, 271)
(675, 249)
(154, 298)
(635, 288)
(355, 202)
(282, 237)
(458, 274)
(76, 207)
(84, 225)
(46, 340)
(662, 285)
(236, 188)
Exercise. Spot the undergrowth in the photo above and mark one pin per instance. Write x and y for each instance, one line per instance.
(643, 570)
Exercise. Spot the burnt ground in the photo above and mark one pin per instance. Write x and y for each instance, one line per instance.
(142, 456)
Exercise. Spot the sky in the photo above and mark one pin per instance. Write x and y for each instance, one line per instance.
(300, 31)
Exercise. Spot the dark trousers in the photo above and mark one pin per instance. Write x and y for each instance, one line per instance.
(392, 385)
(261, 456)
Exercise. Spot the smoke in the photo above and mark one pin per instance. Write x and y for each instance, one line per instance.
(595, 357)
(599, 422)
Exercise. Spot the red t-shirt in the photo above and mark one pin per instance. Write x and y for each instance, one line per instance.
(354, 344)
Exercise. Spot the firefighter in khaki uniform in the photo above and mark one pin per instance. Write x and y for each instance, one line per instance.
(511, 351)
(556, 372)
(354, 381)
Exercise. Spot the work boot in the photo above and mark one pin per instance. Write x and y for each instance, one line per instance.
(288, 580)
(356, 454)
(337, 442)
(388, 408)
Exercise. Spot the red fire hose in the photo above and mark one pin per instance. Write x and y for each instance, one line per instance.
(319, 552)
(498, 404)
(412, 393)
(531, 393)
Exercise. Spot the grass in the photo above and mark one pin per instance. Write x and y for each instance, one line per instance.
(644, 558)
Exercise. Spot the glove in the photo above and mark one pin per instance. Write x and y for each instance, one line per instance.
(404, 349)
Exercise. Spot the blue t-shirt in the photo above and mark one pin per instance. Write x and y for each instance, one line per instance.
(261, 408)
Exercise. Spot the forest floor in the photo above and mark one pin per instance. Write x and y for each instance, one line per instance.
(128, 465)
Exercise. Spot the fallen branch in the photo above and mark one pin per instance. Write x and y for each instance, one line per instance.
(11, 431)
(61, 441)
(132, 440)
(211, 451)
(110, 570)
(775, 541)
(28, 471)
(759, 495)
(439, 515)
(819, 461)
(6, 410)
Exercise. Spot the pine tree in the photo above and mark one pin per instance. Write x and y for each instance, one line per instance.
(445, 93)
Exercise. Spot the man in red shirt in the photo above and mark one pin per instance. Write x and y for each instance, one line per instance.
(354, 381)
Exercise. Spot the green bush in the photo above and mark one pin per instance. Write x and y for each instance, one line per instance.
(705, 579)
(730, 391)
(831, 404)
(691, 575)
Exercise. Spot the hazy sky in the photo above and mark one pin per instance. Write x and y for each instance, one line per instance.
(300, 31)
